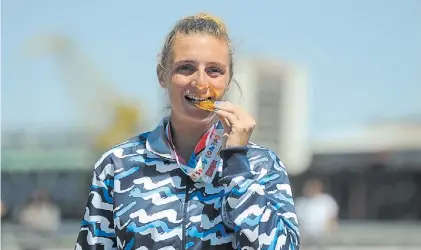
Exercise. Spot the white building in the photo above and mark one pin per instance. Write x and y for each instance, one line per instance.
(275, 94)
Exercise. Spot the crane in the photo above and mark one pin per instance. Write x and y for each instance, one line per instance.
(111, 115)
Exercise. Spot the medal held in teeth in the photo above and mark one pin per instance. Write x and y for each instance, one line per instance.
(208, 104)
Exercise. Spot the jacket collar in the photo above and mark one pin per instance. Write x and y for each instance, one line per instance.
(157, 141)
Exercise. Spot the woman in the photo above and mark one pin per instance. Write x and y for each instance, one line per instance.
(195, 181)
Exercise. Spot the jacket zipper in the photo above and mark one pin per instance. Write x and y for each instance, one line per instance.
(186, 200)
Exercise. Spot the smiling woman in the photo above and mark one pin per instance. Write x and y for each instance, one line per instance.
(195, 181)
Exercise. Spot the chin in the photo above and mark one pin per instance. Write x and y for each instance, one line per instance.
(193, 114)
(200, 116)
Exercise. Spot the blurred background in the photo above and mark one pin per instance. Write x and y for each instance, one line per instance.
(334, 85)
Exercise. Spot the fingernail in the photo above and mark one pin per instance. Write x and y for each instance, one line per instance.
(217, 103)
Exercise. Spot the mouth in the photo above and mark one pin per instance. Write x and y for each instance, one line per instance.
(205, 103)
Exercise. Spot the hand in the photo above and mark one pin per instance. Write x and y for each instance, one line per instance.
(238, 124)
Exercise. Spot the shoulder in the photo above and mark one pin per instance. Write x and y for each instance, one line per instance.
(258, 153)
(326, 198)
(105, 164)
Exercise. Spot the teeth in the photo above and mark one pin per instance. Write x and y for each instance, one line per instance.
(197, 99)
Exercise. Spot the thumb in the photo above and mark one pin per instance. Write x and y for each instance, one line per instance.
(227, 130)
(225, 124)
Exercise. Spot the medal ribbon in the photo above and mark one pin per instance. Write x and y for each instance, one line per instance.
(203, 167)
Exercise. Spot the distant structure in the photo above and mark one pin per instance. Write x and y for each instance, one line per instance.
(276, 95)
(396, 144)
(111, 115)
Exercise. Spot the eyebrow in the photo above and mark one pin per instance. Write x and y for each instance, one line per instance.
(195, 62)
(184, 61)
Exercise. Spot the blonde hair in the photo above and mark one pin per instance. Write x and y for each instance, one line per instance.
(212, 18)
(201, 23)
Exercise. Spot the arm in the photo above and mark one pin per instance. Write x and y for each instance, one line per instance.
(97, 227)
(258, 206)
(332, 224)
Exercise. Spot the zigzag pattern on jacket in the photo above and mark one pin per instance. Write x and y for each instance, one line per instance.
(139, 200)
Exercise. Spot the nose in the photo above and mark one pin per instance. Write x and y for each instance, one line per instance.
(200, 81)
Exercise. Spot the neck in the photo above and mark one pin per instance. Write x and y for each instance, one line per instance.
(186, 135)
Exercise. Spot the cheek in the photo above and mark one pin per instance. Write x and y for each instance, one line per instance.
(176, 86)
(220, 86)
(178, 81)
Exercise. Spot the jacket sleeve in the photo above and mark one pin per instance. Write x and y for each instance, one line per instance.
(258, 204)
(97, 227)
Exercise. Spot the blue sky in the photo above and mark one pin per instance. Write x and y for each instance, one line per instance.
(363, 57)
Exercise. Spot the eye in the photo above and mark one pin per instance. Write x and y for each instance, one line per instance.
(185, 69)
(215, 71)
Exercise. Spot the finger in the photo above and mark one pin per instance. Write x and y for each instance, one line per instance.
(232, 118)
(227, 130)
(225, 124)
(234, 109)
(224, 121)
(245, 120)
(225, 105)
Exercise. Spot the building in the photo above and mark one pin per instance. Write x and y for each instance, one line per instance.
(396, 144)
(275, 94)
(374, 172)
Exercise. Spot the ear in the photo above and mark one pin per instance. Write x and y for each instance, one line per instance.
(160, 73)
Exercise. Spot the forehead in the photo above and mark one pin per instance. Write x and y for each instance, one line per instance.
(200, 47)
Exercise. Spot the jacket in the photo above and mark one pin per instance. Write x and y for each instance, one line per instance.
(140, 199)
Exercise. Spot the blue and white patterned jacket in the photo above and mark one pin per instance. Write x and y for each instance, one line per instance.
(141, 199)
